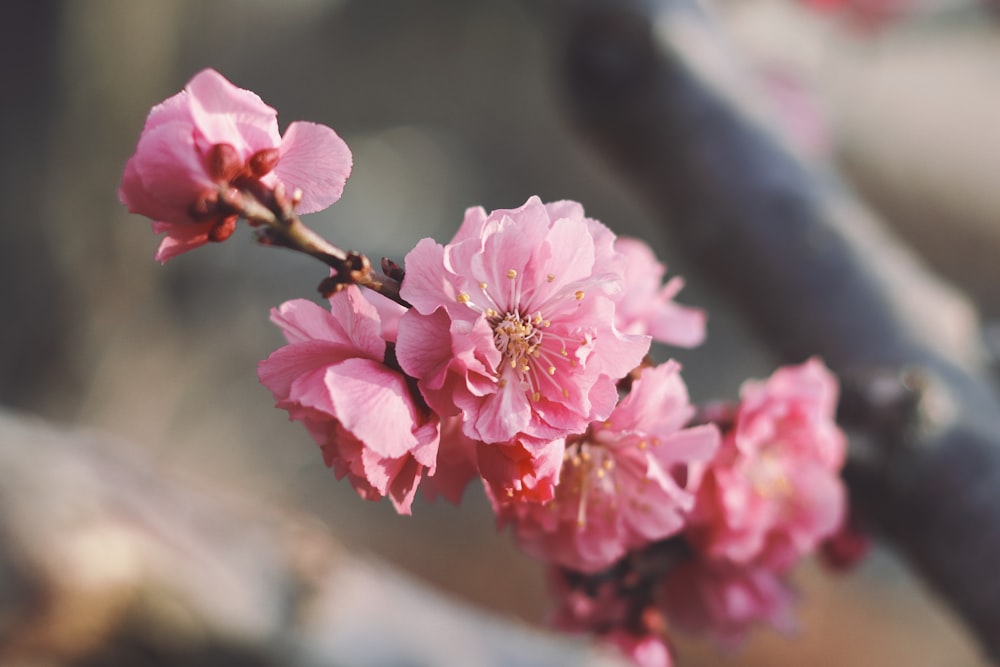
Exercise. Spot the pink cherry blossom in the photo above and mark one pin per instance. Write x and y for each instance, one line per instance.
(626, 483)
(512, 323)
(773, 492)
(726, 600)
(333, 377)
(647, 307)
(213, 134)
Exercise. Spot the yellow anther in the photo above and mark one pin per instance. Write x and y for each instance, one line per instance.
(482, 286)
(565, 392)
(511, 273)
(462, 297)
(579, 295)
(600, 473)
(642, 444)
(550, 277)
(552, 370)
(491, 313)
(525, 368)
(536, 397)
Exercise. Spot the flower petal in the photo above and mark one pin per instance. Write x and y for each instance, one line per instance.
(315, 160)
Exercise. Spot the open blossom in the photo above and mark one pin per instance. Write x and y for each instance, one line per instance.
(625, 483)
(725, 600)
(332, 376)
(647, 307)
(773, 492)
(512, 324)
(211, 135)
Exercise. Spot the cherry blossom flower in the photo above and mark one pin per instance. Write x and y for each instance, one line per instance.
(213, 134)
(725, 600)
(773, 491)
(646, 307)
(333, 377)
(512, 323)
(625, 483)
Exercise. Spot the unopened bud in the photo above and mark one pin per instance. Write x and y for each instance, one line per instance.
(263, 161)
(205, 206)
(223, 229)
(223, 163)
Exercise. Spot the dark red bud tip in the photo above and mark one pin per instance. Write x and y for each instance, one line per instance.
(223, 229)
(263, 161)
(392, 269)
(844, 550)
(223, 163)
(205, 206)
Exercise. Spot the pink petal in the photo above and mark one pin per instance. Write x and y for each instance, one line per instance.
(315, 160)
(502, 415)
(426, 283)
(280, 370)
(166, 159)
(181, 237)
(226, 114)
(374, 404)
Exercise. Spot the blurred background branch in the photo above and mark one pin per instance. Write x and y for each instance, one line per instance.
(657, 91)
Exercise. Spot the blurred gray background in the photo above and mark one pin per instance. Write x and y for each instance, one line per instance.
(445, 104)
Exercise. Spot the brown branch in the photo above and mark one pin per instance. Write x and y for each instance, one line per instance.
(273, 213)
(654, 88)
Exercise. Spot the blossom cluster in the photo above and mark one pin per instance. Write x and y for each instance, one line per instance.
(516, 354)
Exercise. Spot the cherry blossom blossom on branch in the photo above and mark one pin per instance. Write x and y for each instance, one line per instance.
(516, 354)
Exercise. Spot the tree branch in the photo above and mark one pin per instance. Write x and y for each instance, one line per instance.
(652, 86)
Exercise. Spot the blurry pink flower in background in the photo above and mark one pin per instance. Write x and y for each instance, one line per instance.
(869, 15)
(725, 600)
(332, 376)
(615, 614)
(213, 134)
(512, 323)
(773, 491)
(625, 483)
(642, 650)
(647, 307)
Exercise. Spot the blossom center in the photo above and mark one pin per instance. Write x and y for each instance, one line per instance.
(518, 338)
(769, 477)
